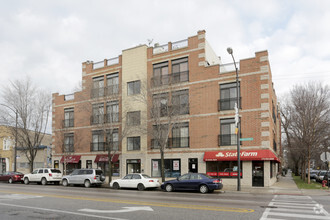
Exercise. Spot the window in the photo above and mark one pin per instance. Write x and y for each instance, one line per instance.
(172, 167)
(160, 76)
(68, 117)
(69, 142)
(112, 139)
(133, 143)
(180, 71)
(228, 96)
(98, 113)
(98, 87)
(180, 102)
(112, 84)
(160, 105)
(227, 132)
(159, 136)
(112, 112)
(133, 118)
(98, 141)
(7, 142)
(180, 135)
(223, 169)
(133, 87)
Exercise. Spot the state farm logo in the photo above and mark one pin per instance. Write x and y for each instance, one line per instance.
(220, 155)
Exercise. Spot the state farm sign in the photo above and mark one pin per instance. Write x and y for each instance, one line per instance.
(244, 155)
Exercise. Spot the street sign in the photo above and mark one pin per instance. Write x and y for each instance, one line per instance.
(246, 139)
(325, 156)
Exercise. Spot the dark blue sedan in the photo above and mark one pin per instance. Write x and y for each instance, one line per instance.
(193, 181)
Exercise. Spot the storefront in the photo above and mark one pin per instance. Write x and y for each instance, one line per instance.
(70, 163)
(102, 162)
(258, 167)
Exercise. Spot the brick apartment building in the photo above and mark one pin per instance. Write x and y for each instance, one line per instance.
(186, 76)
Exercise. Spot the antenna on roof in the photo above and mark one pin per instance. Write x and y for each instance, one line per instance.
(150, 41)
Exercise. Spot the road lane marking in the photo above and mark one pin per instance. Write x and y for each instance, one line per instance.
(60, 211)
(167, 205)
(125, 209)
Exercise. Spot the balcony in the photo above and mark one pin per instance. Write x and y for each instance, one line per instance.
(227, 139)
(174, 46)
(112, 117)
(103, 146)
(179, 44)
(108, 62)
(97, 92)
(179, 142)
(229, 67)
(97, 119)
(228, 104)
(113, 61)
(67, 123)
(170, 79)
(111, 90)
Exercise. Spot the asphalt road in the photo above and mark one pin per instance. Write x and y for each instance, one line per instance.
(19, 201)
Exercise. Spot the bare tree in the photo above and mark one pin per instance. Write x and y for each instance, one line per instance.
(32, 106)
(306, 117)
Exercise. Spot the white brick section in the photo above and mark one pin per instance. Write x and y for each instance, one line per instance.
(201, 45)
(264, 106)
(264, 77)
(265, 143)
(264, 86)
(264, 114)
(265, 124)
(265, 134)
(84, 73)
(202, 63)
(264, 58)
(264, 69)
(265, 95)
(201, 36)
(201, 55)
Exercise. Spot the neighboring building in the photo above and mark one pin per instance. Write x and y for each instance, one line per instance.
(42, 159)
(186, 76)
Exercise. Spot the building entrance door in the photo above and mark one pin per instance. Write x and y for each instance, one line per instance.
(133, 166)
(258, 173)
(193, 165)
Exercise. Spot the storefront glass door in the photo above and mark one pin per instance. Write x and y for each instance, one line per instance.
(258, 173)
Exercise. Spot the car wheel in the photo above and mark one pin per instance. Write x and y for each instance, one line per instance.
(140, 187)
(10, 180)
(65, 183)
(43, 181)
(168, 188)
(26, 181)
(87, 183)
(116, 186)
(203, 189)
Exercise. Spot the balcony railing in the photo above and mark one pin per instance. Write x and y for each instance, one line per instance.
(227, 139)
(112, 90)
(98, 65)
(97, 92)
(112, 117)
(103, 146)
(67, 123)
(179, 44)
(179, 142)
(170, 79)
(160, 49)
(229, 67)
(228, 104)
(97, 119)
(163, 111)
(112, 61)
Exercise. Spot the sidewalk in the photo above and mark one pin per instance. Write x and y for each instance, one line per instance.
(285, 185)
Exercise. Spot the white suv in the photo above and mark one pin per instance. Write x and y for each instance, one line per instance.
(43, 176)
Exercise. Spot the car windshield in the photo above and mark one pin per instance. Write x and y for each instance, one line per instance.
(55, 171)
(146, 176)
(18, 173)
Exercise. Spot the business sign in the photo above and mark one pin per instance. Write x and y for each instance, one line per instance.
(244, 155)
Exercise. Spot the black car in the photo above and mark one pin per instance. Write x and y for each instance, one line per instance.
(193, 181)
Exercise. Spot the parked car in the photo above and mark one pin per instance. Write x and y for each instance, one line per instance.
(11, 177)
(86, 177)
(136, 180)
(193, 181)
(320, 175)
(313, 174)
(43, 176)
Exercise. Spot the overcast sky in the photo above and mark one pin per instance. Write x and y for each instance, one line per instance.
(49, 40)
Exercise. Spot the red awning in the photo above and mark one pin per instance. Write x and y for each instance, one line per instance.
(104, 158)
(70, 159)
(231, 155)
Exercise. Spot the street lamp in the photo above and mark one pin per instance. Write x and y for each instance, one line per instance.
(15, 150)
(237, 123)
